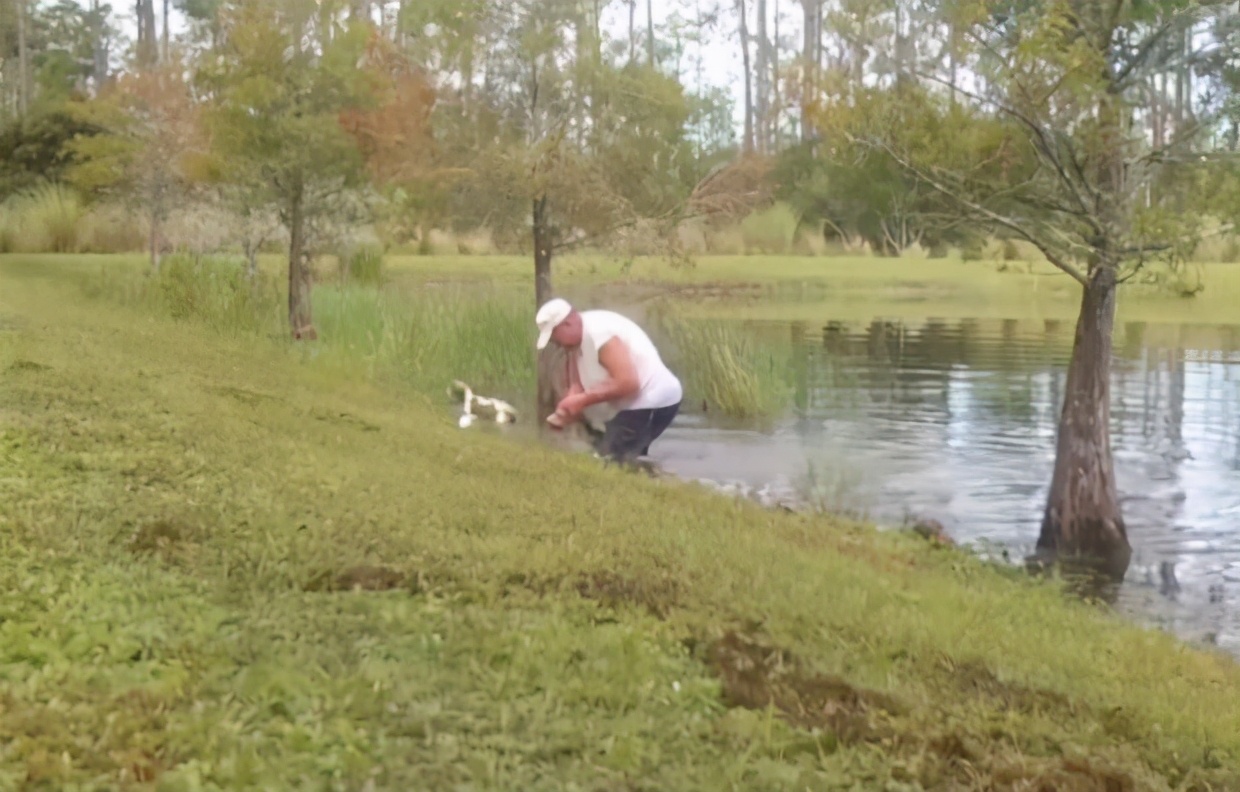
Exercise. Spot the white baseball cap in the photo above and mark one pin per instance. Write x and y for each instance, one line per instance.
(549, 317)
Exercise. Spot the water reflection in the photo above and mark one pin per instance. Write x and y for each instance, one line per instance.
(956, 421)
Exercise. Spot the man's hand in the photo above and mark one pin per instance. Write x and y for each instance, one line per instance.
(572, 405)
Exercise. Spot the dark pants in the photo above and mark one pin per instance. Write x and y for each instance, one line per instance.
(629, 434)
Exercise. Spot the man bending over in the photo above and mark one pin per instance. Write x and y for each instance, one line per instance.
(616, 378)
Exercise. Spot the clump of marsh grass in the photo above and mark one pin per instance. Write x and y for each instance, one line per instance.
(425, 338)
(217, 292)
(431, 337)
(772, 230)
(44, 219)
(735, 372)
(362, 265)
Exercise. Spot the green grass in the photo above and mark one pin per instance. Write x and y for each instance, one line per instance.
(791, 288)
(229, 566)
(735, 372)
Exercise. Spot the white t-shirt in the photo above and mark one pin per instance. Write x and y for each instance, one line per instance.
(659, 386)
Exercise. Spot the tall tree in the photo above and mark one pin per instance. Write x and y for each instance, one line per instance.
(279, 84)
(1064, 75)
(745, 65)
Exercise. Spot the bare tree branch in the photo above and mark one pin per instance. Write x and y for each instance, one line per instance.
(1042, 143)
(1008, 223)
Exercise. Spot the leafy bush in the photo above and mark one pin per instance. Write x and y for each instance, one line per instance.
(772, 230)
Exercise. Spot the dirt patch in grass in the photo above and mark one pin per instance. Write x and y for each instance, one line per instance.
(18, 366)
(757, 675)
(657, 595)
(364, 577)
(975, 679)
(251, 398)
(160, 537)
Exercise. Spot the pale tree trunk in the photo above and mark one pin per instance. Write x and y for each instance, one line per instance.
(167, 39)
(953, 57)
(152, 39)
(749, 131)
(251, 259)
(99, 47)
(23, 62)
(154, 242)
(300, 315)
(632, 31)
(776, 107)
(810, 43)
(650, 33)
(762, 88)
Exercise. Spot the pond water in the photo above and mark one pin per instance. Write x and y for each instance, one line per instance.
(955, 421)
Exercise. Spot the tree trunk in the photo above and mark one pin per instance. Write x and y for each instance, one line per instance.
(300, 318)
(809, 79)
(749, 142)
(1082, 524)
(23, 62)
(542, 252)
(762, 80)
(167, 52)
(650, 33)
(99, 47)
(152, 38)
(156, 259)
(632, 31)
(552, 386)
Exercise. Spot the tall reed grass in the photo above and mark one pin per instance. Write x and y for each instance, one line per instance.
(736, 373)
(52, 218)
(428, 336)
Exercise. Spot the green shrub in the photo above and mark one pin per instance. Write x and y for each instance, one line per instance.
(771, 230)
(362, 265)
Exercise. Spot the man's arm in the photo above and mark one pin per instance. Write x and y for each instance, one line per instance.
(574, 376)
(615, 357)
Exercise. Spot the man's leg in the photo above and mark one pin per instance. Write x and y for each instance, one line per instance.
(660, 420)
(628, 433)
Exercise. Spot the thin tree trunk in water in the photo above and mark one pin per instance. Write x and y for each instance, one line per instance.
(1082, 524)
(300, 318)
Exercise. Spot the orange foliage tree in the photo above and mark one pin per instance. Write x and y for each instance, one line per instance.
(395, 134)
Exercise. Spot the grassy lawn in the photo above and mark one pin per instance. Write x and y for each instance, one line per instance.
(229, 565)
(801, 288)
(791, 288)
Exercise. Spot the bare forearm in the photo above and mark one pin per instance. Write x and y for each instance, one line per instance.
(610, 390)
